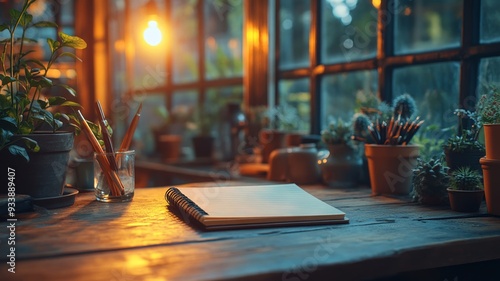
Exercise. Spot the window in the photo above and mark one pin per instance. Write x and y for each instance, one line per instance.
(295, 20)
(434, 87)
(427, 25)
(323, 54)
(443, 53)
(198, 63)
(339, 93)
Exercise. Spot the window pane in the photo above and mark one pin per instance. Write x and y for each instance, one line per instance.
(425, 25)
(67, 12)
(149, 64)
(489, 74)
(223, 38)
(348, 31)
(185, 35)
(490, 20)
(295, 22)
(435, 88)
(41, 34)
(338, 93)
(294, 95)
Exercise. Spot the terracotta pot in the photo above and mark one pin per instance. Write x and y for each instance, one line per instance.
(465, 200)
(492, 141)
(269, 141)
(391, 167)
(169, 147)
(44, 175)
(491, 179)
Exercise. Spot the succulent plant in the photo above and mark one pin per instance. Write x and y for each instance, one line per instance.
(360, 124)
(465, 178)
(404, 106)
(430, 180)
(385, 111)
(466, 139)
(488, 107)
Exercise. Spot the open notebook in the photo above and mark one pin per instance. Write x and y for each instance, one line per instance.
(229, 207)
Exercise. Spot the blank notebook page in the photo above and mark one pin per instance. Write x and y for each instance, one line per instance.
(283, 200)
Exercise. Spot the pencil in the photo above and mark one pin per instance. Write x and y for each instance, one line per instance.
(127, 140)
(114, 182)
(106, 137)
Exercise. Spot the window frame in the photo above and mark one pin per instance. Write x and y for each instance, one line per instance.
(468, 54)
(200, 85)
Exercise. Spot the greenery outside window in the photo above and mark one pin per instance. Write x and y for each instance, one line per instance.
(443, 53)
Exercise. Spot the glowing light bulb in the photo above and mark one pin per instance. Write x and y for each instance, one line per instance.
(152, 34)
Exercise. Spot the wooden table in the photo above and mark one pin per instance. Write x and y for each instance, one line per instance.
(142, 240)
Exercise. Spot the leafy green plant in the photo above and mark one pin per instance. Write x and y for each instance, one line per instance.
(466, 138)
(488, 107)
(465, 178)
(282, 117)
(337, 132)
(431, 140)
(24, 105)
(430, 180)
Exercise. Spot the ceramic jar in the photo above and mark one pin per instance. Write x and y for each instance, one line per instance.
(295, 164)
(342, 166)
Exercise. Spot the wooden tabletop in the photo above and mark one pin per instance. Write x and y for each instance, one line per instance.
(143, 240)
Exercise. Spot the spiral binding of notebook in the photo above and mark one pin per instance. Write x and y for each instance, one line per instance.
(182, 202)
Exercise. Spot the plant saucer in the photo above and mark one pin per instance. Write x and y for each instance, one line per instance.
(64, 200)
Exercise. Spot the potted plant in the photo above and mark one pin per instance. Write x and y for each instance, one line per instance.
(36, 133)
(361, 122)
(342, 165)
(430, 179)
(203, 140)
(463, 148)
(171, 135)
(466, 190)
(488, 110)
(391, 157)
(279, 130)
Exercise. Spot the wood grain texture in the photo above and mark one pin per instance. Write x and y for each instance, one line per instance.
(143, 240)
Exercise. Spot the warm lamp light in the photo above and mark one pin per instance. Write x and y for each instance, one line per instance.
(152, 34)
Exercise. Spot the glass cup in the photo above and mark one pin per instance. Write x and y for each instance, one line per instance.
(114, 185)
